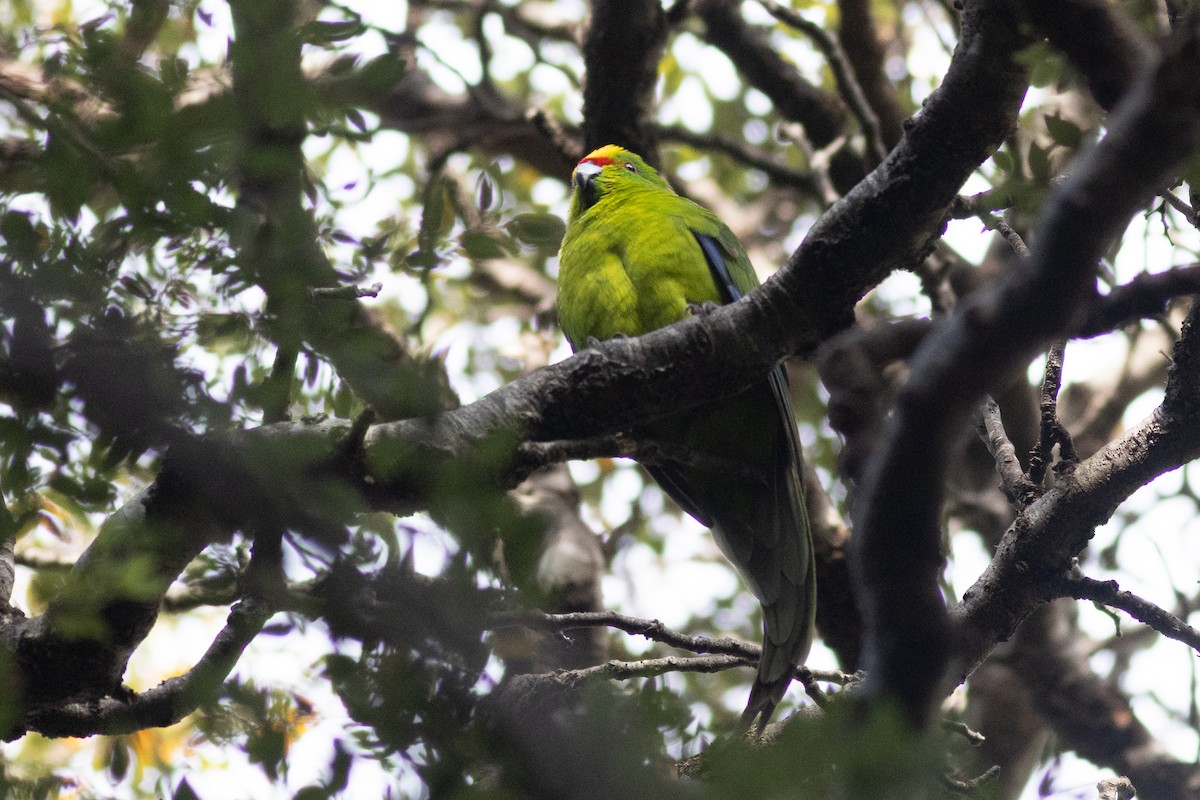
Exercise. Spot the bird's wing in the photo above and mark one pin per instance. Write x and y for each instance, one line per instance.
(669, 476)
(777, 556)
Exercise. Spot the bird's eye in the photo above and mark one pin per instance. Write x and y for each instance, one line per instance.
(630, 167)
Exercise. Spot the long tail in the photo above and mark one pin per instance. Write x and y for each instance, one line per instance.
(761, 525)
(785, 573)
(786, 642)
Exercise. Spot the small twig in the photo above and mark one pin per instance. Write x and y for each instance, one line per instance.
(812, 688)
(655, 631)
(344, 292)
(1019, 489)
(198, 597)
(964, 207)
(974, 738)
(1051, 431)
(171, 700)
(1142, 297)
(1179, 205)
(1110, 594)
(818, 163)
(647, 668)
(976, 205)
(843, 73)
(647, 451)
(277, 388)
(737, 149)
(1010, 235)
(39, 563)
(651, 629)
(352, 445)
(966, 787)
(485, 48)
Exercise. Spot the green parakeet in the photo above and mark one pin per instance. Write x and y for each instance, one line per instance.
(635, 257)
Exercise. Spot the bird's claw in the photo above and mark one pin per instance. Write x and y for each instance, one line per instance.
(698, 309)
(592, 342)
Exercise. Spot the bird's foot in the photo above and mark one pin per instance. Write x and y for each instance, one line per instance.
(699, 309)
(592, 342)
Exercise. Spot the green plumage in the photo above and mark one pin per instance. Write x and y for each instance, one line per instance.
(637, 256)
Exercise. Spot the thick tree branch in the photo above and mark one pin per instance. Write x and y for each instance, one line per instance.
(749, 48)
(844, 74)
(853, 366)
(898, 532)
(1038, 549)
(171, 700)
(860, 40)
(622, 46)
(1143, 297)
(1103, 43)
(1018, 488)
(1089, 713)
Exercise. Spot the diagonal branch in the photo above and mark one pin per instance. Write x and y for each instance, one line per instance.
(749, 48)
(171, 700)
(621, 49)
(1110, 593)
(898, 532)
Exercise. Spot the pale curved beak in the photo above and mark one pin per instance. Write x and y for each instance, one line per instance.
(584, 179)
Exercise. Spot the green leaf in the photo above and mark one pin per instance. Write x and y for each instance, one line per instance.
(20, 237)
(328, 32)
(312, 793)
(1003, 161)
(486, 195)
(483, 245)
(538, 228)
(1064, 132)
(379, 75)
(118, 759)
(421, 259)
(437, 216)
(224, 333)
(1045, 66)
(1039, 164)
(356, 119)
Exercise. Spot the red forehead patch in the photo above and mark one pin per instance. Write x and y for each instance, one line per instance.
(602, 156)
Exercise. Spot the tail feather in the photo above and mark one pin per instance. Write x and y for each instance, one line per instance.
(761, 526)
(789, 613)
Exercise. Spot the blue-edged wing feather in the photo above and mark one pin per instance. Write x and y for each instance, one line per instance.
(762, 526)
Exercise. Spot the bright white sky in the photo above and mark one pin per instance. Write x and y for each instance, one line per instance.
(1162, 544)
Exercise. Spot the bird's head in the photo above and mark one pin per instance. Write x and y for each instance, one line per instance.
(610, 169)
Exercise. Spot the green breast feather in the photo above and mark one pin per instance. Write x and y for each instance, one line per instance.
(636, 257)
